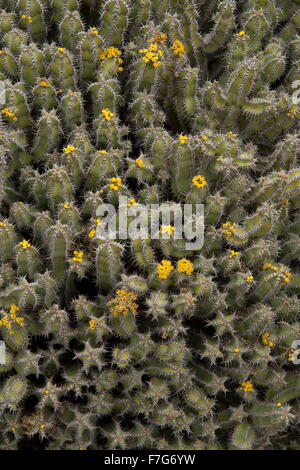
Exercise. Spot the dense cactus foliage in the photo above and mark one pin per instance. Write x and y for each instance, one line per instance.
(138, 344)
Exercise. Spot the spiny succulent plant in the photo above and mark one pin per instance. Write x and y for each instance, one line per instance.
(140, 343)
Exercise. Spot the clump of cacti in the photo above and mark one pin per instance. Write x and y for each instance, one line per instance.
(142, 344)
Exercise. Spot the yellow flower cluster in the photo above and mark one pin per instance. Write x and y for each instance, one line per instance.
(183, 139)
(285, 275)
(159, 38)
(27, 18)
(2, 52)
(178, 47)
(164, 269)
(116, 183)
(291, 354)
(109, 53)
(153, 55)
(199, 181)
(8, 322)
(169, 229)
(267, 266)
(229, 229)
(233, 253)
(94, 31)
(140, 162)
(69, 149)
(78, 256)
(25, 244)
(131, 202)
(247, 386)
(92, 324)
(292, 112)
(185, 266)
(266, 340)
(123, 303)
(249, 278)
(3, 224)
(6, 112)
(43, 83)
(107, 114)
(231, 135)
(92, 233)
(284, 201)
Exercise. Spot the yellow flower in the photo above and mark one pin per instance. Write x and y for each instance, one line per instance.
(107, 114)
(110, 53)
(164, 269)
(152, 55)
(92, 324)
(131, 202)
(199, 181)
(24, 244)
(228, 229)
(247, 386)
(61, 50)
(231, 135)
(185, 266)
(266, 341)
(183, 139)
(204, 137)
(69, 149)
(6, 112)
(169, 229)
(116, 183)
(3, 224)
(94, 31)
(68, 206)
(267, 266)
(102, 152)
(78, 256)
(242, 33)
(178, 48)
(284, 201)
(14, 308)
(249, 278)
(159, 38)
(27, 18)
(236, 350)
(279, 404)
(292, 112)
(140, 162)
(291, 354)
(92, 233)
(43, 83)
(233, 254)
(123, 303)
